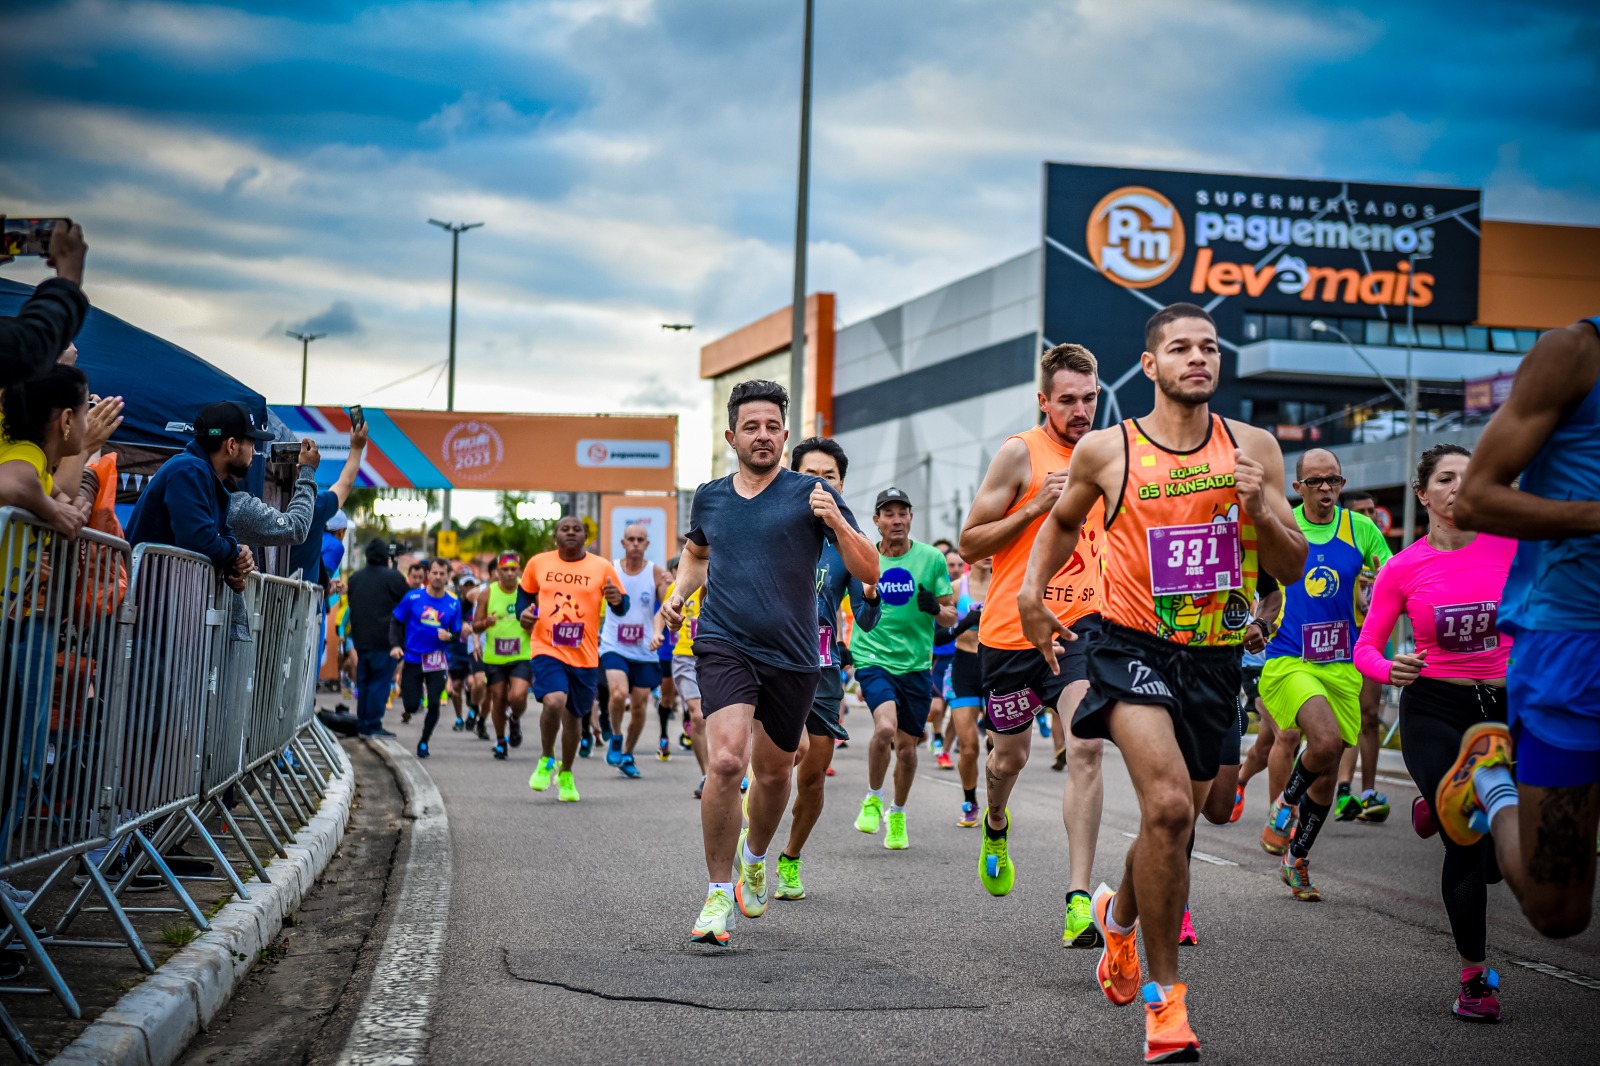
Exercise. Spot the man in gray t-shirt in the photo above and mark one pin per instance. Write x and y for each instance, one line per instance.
(754, 540)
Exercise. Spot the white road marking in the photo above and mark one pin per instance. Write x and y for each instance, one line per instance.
(1214, 860)
(1557, 972)
(392, 1026)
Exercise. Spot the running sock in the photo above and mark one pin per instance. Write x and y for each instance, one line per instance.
(1300, 779)
(1343, 790)
(1114, 926)
(720, 886)
(896, 809)
(751, 858)
(875, 793)
(1496, 789)
(971, 795)
(1312, 815)
(992, 833)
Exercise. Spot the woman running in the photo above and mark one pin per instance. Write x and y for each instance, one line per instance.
(1449, 586)
(966, 683)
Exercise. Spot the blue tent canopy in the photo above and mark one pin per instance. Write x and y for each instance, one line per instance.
(159, 381)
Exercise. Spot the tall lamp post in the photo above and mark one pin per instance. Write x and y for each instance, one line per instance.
(455, 229)
(797, 313)
(305, 340)
(1409, 399)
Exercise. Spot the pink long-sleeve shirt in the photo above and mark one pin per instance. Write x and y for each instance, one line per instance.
(1453, 601)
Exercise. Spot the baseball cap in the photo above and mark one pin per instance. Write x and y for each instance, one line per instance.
(228, 419)
(340, 520)
(891, 495)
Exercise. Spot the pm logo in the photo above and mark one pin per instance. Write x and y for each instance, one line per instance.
(1135, 237)
(896, 587)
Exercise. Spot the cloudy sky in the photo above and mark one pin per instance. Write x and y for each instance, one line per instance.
(245, 168)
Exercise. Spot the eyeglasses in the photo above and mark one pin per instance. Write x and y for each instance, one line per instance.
(1317, 484)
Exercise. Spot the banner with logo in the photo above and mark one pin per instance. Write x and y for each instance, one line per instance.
(510, 452)
(1121, 243)
(1488, 394)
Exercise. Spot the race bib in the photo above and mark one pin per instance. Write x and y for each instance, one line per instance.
(630, 633)
(566, 634)
(1467, 627)
(1325, 642)
(825, 645)
(434, 661)
(1196, 559)
(507, 646)
(1015, 710)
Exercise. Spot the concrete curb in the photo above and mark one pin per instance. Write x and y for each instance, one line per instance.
(154, 1023)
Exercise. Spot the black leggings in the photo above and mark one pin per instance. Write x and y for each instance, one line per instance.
(1433, 717)
(412, 683)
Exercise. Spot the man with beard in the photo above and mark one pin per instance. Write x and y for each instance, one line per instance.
(755, 539)
(186, 503)
(1022, 484)
(1192, 500)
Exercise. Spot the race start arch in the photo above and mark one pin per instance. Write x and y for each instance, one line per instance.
(628, 462)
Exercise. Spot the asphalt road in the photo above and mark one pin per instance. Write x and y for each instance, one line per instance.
(568, 937)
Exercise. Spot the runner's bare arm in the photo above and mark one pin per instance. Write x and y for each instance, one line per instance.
(859, 554)
(1258, 477)
(988, 528)
(691, 577)
(1553, 379)
(1058, 537)
(352, 465)
(480, 610)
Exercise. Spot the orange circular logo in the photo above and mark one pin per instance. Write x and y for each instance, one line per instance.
(1135, 237)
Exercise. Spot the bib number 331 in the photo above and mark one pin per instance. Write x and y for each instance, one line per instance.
(1195, 559)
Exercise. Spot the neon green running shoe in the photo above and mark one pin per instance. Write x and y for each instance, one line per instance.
(750, 889)
(541, 775)
(789, 886)
(566, 790)
(871, 814)
(716, 918)
(896, 839)
(1079, 930)
(994, 859)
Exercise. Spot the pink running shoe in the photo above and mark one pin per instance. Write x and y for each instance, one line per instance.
(1186, 934)
(1422, 819)
(1477, 1001)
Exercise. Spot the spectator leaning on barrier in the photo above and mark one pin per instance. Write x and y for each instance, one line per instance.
(375, 591)
(255, 521)
(186, 503)
(307, 558)
(45, 326)
(46, 421)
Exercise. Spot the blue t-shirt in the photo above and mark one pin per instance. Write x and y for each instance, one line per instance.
(833, 583)
(332, 553)
(424, 616)
(761, 582)
(306, 556)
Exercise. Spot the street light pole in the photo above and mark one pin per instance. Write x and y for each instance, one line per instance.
(797, 313)
(1409, 398)
(305, 340)
(455, 229)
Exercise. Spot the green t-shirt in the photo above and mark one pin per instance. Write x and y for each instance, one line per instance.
(902, 641)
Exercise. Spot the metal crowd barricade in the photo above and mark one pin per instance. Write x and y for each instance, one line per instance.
(61, 722)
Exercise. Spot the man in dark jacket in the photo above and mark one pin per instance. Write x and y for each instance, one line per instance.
(46, 324)
(186, 503)
(374, 593)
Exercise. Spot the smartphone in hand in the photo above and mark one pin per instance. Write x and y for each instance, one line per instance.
(357, 417)
(28, 236)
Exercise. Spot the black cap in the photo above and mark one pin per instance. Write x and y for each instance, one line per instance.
(229, 419)
(891, 495)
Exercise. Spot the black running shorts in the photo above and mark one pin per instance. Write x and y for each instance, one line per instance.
(782, 698)
(1007, 672)
(1199, 687)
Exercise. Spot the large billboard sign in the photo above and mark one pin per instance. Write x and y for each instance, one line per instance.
(1278, 244)
(1119, 243)
(512, 452)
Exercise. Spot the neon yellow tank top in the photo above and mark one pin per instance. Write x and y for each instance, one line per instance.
(505, 641)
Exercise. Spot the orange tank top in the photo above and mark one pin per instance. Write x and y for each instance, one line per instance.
(1075, 589)
(1180, 551)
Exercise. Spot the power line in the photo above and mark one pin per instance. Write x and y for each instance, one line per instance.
(408, 377)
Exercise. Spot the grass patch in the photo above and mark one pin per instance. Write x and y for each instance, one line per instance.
(179, 935)
(216, 908)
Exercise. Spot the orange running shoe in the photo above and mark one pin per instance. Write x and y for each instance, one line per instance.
(1238, 804)
(1456, 803)
(1118, 969)
(943, 760)
(1167, 1036)
(1278, 831)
